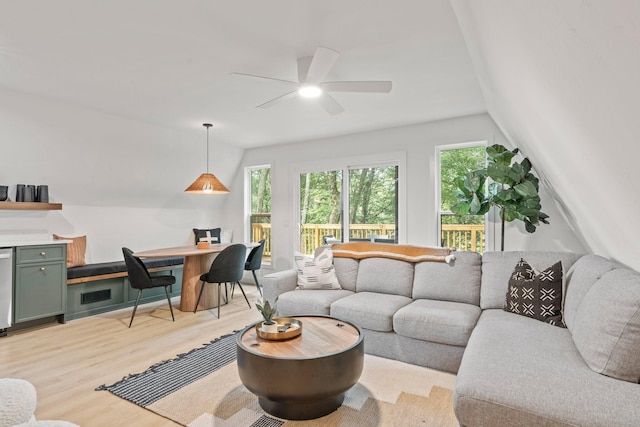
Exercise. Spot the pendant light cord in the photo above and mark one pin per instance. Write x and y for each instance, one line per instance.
(207, 125)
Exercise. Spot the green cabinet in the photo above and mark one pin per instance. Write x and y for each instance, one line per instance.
(40, 284)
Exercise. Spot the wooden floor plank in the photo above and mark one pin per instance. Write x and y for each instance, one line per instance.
(67, 362)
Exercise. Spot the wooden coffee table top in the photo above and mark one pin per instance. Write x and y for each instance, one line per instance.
(321, 336)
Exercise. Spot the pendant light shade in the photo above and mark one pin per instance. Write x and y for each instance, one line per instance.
(207, 183)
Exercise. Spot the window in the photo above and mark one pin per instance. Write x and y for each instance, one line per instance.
(371, 205)
(259, 203)
(466, 233)
(320, 209)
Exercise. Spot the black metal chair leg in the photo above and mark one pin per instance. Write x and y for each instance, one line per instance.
(199, 296)
(166, 291)
(257, 284)
(219, 298)
(135, 307)
(245, 295)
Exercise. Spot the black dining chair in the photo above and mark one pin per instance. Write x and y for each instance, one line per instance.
(140, 279)
(227, 267)
(254, 262)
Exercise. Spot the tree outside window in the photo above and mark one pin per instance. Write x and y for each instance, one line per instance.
(463, 232)
(260, 215)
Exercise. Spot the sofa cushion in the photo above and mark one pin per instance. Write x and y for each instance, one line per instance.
(347, 272)
(456, 281)
(211, 235)
(607, 325)
(226, 235)
(75, 250)
(519, 372)
(437, 321)
(386, 276)
(298, 302)
(102, 268)
(318, 272)
(582, 275)
(497, 268)
(536, 294)
(369, 310)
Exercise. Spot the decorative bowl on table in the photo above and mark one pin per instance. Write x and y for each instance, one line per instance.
(288, 328)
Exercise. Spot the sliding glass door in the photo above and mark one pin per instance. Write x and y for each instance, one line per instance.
(371, 206)
(320, 209)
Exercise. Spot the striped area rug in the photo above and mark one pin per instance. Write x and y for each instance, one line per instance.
(201, 388)
(164, 378)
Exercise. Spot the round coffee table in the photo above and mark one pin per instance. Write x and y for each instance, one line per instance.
(304, 377)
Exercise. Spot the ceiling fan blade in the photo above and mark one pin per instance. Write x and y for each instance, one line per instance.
(330, 104)
(279, 99)
(303, 67)
(284, 82)
(321, 64)
(372, 86)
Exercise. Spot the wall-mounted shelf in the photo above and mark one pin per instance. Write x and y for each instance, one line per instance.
(30, 206)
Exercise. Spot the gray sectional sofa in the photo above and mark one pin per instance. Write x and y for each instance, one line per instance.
(511, 370)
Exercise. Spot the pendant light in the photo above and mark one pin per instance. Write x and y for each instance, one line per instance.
(207, 183)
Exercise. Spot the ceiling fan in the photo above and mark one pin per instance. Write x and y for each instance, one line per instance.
(311, 73)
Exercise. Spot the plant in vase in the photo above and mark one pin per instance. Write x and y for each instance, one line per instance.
(268, 311)
(513, 190)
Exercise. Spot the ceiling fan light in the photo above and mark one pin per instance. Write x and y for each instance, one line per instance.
(310, 91)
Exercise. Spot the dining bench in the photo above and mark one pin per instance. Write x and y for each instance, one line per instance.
(101, 287)
(108, 270)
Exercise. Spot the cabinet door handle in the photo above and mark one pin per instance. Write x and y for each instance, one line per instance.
(42, 268)
(43, 253)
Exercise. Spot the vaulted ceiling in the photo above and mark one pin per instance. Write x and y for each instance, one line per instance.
(562, 81)
(169, 62)
(560, 78)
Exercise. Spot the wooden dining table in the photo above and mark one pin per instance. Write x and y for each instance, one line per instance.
(196, 262)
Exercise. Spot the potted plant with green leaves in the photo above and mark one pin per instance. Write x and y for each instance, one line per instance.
(267, 311)
(513, 190)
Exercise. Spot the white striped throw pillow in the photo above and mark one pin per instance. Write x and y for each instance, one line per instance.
(318, 272)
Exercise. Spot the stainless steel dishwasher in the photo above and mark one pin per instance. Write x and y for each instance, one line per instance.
(6, 287)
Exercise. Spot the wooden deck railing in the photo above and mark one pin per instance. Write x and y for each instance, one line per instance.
(464, 237)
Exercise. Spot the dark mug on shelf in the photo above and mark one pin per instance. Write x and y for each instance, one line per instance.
(20, 189)
(42, 194)
(4, 192)
(30, 193)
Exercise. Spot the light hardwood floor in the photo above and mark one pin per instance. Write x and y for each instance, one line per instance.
(67, 362)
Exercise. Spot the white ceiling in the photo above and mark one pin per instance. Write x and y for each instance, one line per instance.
(167, 62)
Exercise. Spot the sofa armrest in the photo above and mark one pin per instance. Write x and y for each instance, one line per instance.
(278, 283)
(17, 401)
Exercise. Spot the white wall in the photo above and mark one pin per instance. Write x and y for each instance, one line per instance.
(560, 78)
(120, 181)
(419, 142)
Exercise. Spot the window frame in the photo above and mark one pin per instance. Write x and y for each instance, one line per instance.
(247, 202)
(488, 218)
(398, 158)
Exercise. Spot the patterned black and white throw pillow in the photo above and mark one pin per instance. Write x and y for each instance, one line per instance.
(318, 272)
(211, 235)
(536, 295)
